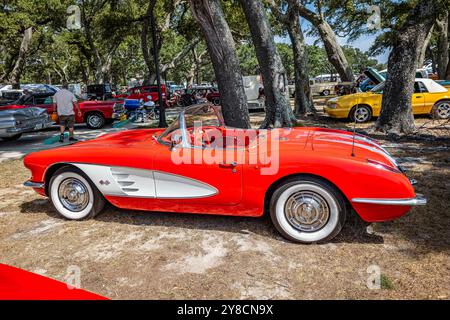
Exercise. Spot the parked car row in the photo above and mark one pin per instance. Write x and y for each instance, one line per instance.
(253, 88)
(429, 97)
(33, 111)
(323, 88)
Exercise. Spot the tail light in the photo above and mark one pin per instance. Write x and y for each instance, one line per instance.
(383, 166)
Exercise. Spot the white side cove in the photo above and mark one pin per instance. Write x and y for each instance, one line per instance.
(140, 183)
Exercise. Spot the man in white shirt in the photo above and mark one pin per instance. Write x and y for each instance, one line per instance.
(66, 103)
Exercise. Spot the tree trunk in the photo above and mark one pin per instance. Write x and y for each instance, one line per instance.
(447, 71)
(291, 22)
(334, 50)
(16, 73)
(278, 110)
(97, 63)
(150, 74)
(442, 27)
(423, 51)
(303, 97)
(222, 51)
(396, 114)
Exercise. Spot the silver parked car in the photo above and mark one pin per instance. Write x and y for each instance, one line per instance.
(16, 121)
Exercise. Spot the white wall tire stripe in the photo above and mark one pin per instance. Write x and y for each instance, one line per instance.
(333, 219)
(54, 196)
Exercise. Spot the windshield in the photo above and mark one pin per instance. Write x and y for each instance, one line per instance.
(24, 99)
(378, 88)
(192, 118)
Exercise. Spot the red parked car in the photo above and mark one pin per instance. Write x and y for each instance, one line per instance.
(94, 113)
(142, 92)
(313, 179)
(193, 95)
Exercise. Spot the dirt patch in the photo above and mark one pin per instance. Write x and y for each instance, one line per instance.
(128, 254)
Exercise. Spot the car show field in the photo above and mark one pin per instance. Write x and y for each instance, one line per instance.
(157, 255)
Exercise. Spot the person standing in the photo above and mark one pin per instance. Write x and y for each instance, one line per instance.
(66, 103)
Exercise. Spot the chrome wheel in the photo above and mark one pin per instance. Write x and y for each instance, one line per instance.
(443, 110)
(361, 114)
(95, 121)
(307, 211)
(73, 195)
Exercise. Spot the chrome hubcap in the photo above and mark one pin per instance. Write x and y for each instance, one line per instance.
(307, 211)
(94, 121)
(444, 110)
(361, 114)
(73, 195)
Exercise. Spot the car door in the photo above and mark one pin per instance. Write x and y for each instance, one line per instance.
(185, 173)
(187, 168)
(134, 94)
(418, 98)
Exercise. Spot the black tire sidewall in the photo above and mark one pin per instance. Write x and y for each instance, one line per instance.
(353, 112)
(98, 115)
(434, 111)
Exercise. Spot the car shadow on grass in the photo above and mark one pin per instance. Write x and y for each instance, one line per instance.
(354, 231)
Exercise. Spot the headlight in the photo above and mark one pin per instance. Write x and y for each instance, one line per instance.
(332, 105)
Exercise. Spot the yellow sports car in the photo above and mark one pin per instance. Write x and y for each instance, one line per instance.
(429, 98)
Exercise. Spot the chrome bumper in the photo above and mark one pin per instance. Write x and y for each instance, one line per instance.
(117, 115)
(38, 185)
(419, 200)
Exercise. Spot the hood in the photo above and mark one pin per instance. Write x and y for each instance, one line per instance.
(125, 138)
(112, 149)
(374, 75)
(351, 97)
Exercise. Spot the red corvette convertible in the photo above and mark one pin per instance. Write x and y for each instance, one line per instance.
(307, 178)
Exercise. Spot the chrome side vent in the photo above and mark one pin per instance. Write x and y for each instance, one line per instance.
(125, 183)
(125, 180)
(119, 175)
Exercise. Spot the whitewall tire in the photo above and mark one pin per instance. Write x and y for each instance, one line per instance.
(73, 195)
(307, 210)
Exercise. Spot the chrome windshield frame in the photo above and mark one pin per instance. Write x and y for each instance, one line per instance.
(183, 126)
